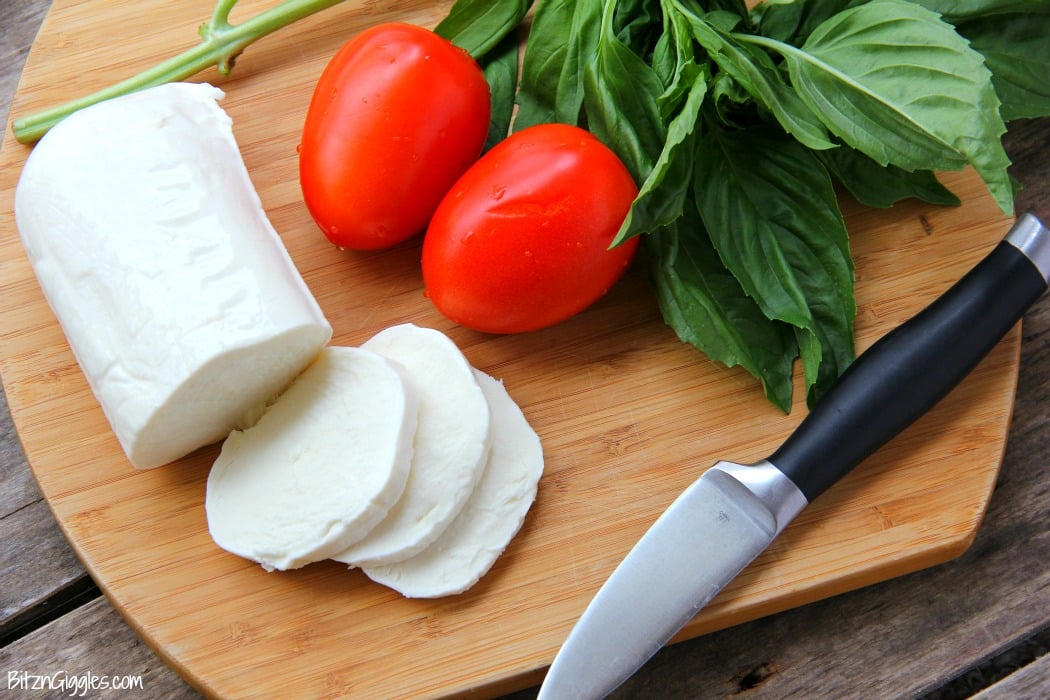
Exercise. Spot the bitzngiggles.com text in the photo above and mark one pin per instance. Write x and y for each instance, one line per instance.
(72, 685)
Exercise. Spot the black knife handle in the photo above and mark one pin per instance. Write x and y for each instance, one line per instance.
(912, 367)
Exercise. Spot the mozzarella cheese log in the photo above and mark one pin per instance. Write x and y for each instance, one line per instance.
(493, 515)
(323, 465)
(174, 291)
(451, 446)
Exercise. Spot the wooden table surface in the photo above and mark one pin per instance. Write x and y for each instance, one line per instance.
(978, 626)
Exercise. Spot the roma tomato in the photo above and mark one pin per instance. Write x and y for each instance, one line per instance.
(398, 114)
(521, 241)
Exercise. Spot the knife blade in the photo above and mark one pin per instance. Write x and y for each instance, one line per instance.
(732, 512)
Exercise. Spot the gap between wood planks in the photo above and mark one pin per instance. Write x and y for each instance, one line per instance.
(995, 669)
(64, 600)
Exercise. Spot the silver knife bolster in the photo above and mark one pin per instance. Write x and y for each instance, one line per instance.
(772, 487)
(1030, 237)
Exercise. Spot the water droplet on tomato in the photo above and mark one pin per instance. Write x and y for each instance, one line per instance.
(498, 191)
(298, 148)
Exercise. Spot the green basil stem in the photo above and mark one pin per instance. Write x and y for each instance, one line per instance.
(221, 43)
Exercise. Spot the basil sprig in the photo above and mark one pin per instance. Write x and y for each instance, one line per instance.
(738, 124)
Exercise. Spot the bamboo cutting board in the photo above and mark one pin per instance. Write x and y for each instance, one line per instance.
(627, 414)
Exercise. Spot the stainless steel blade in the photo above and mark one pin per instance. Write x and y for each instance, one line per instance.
(714, 529)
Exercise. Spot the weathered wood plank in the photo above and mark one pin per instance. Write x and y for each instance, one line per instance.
(35, 560)
(17, 487)
(1028, 142)
(94, 642)
(19, 20)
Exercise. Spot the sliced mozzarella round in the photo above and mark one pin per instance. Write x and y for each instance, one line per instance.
(451, 445)
(492, 516)
(322, 466)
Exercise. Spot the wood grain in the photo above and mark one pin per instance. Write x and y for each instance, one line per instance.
(628, 416)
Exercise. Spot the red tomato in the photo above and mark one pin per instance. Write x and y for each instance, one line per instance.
(396, 117)
(521, 242)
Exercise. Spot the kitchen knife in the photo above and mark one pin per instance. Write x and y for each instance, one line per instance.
(728, 516)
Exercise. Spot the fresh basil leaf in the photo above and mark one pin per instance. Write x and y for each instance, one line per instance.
(674, 63)
(478, 26)
(620, 98)
(500, 66)
(792, 21)
(876, 186)
(770, 209)
(895, 82)
(755, 72)
(638, 24)
(1016, 48)
(666, 59)
(705, 305)
(662, 195)
(725, 20)
(561, 42)
(1012, 35)
(810, 353)
(728, 100)
(956, 11)
(735, 7)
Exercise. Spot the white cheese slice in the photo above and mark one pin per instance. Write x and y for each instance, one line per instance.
(323, 465)
(175, 292)
(493, 515)
(451, 446)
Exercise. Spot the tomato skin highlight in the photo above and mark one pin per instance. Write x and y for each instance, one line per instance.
(398, 114)
(521, 241)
